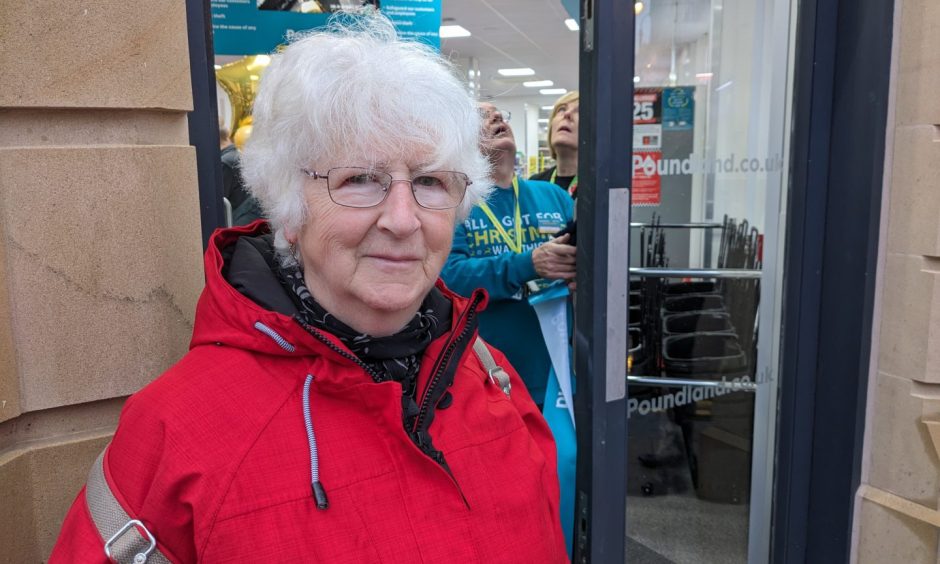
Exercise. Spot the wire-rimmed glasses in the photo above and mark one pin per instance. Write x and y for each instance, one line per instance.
(487, 113)
(359, 187)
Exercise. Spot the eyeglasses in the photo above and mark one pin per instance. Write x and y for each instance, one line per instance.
(487, 113)
(357, 187)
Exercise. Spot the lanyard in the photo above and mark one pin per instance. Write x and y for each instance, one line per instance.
(572, 188)
(515, 245)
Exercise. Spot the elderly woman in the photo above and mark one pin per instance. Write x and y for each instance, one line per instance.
(336, 405)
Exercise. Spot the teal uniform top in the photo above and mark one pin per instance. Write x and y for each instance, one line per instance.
(481, 258)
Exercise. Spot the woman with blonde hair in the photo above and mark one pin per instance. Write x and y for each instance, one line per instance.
(563, 144)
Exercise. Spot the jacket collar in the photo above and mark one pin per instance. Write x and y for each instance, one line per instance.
(242, 292)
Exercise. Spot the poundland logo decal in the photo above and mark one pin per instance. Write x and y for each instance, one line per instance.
(686, 395)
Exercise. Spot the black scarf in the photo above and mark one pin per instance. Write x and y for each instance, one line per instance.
(395, 357)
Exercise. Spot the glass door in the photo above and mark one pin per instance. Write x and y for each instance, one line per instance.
(711, 96)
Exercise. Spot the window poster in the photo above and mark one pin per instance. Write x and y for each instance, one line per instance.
(647, 146)
(254, 27)
(678, 108)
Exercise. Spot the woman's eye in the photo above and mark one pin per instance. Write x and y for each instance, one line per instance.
(361, 179)
(427, 181)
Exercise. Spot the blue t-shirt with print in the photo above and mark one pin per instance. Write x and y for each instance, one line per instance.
(480, 258)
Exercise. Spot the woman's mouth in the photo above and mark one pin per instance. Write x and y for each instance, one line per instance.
(395, 258)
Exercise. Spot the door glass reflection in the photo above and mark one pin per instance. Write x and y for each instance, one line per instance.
(706, 174)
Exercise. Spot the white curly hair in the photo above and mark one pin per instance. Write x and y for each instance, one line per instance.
(356, 90)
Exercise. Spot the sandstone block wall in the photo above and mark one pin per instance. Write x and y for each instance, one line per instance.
(100, 250)
(898, 504)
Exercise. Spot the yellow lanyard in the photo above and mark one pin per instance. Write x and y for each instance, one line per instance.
(515, 245)
(572, 188)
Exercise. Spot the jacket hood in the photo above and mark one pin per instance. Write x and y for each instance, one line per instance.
(243, 301)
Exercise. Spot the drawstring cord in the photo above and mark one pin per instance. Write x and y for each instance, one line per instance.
(281, 341)
(319, 494)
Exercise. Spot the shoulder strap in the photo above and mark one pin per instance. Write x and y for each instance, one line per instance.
(496, 373)
(113, 523)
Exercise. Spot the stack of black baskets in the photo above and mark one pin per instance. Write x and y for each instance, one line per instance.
(702, 330)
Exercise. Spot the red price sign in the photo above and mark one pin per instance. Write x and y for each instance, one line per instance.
(647, 187)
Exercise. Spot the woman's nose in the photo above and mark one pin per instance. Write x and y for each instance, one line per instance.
(400, 209)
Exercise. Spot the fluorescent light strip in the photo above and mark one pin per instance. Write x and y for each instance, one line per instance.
(538, 83)
(549, 91)
(449, 31)
(572, 24)
(516, 72)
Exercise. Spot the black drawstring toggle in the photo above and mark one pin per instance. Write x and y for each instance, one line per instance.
(319, 495)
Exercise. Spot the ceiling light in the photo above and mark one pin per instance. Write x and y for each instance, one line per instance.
(516, 72)
(548, 108)
(538, 83)
(448, 31)
(543, 120)
(703, 75)
(637, 7)
(572, 24)
(548, 91)
(636, 79)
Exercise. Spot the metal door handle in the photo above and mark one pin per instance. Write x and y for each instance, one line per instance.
(677, 382)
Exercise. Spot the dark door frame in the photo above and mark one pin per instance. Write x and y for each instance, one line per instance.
(606, 91)
(840, 104)
(204, 119)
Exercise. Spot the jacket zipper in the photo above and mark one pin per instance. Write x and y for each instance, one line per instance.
(336, 349)
(442, 365)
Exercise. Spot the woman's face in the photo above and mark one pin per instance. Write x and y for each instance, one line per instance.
(565, 126)
(372, 267)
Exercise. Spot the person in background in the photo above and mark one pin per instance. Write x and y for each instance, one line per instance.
(245, 208)
(335, 404)
(563, 144)
(506, 246)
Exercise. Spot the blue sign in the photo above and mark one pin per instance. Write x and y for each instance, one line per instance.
(573, 7)
(678, 107)
(255, 27)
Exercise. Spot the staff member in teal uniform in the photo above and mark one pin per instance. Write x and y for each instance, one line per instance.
(507, 247)
(563, 144)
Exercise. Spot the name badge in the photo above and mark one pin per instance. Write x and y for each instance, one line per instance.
(548, 226)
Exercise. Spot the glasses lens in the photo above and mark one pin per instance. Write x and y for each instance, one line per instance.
(357, 187)
(487, 114)
(439, 190)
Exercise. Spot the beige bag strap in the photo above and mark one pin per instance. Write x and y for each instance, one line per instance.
(495, 372)
(127, 540)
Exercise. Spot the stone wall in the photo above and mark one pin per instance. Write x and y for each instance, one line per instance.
(897, 517)
(100, 251)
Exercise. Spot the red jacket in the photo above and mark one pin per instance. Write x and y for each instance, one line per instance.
(213, 456)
